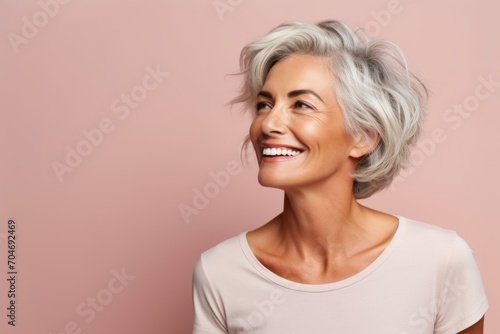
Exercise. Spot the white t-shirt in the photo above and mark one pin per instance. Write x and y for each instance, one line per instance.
(425, 281)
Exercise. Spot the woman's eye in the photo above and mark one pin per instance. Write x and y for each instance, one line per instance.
(261, 105)
(302, 105)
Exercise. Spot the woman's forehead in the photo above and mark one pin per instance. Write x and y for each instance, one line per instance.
(299, 72)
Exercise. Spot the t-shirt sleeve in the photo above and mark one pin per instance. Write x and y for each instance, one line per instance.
(208, 312)
(462, 301)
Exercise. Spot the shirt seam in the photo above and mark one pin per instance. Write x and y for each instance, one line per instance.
(456, 325)
(212, 290)
(257, 266)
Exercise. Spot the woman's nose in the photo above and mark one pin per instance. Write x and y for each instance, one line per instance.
(274, 122)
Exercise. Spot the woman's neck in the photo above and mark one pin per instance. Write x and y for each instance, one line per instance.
(328, 224)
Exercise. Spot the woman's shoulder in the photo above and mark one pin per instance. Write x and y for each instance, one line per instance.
(226, 246)
(223, 255)
(432, 242)
(423, 231)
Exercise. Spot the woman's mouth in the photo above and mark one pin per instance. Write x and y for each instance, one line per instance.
(279, 151)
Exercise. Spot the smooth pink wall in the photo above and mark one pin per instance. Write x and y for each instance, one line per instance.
(102, 246)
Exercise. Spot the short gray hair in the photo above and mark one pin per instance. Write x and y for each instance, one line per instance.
(373, 84)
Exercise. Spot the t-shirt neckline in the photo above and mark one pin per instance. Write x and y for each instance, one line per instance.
(269, 275)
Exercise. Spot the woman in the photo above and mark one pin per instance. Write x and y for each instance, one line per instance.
(334, 119)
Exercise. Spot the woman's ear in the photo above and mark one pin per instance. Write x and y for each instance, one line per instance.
(364, 143)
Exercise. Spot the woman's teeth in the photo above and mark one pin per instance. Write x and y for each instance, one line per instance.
(279, 151)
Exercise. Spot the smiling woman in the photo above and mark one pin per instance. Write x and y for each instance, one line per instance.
(307, 121)
(335, 116)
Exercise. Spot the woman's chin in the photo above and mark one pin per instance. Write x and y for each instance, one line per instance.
(273, 181)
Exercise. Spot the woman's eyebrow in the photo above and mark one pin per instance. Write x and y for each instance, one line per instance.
(298, 92)
(265, 93)
(293, 93)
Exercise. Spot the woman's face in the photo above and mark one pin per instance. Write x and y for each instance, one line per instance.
(298, 132)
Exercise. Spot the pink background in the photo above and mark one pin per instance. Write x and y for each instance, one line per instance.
(119, 208)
